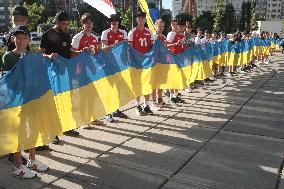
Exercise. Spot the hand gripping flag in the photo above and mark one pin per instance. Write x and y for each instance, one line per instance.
(104, 6)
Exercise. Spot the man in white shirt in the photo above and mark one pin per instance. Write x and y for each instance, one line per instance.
(197, 39)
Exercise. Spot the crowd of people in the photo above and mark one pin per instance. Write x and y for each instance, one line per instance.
(57, 41)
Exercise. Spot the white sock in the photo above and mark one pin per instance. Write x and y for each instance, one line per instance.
(146, 103)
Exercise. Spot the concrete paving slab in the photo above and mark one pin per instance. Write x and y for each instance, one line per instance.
(235, 161)
(90, 143)
(207, 114)
(191, 136)
(97, 174)
(59, 165)
(179, 184)
(149, 156)
(270, 128)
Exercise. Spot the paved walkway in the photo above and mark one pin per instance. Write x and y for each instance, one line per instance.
(229, 135)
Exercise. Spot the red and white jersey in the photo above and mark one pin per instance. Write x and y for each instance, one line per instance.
(174, 37)
(161, 38)
(142, 39)
(81, 40)
(114, 38)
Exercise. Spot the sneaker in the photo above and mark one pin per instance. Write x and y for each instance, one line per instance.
(212, 78)
(147, 110)
(242, 71)
(228, 74)
(36, 165)
(266, 62)
(71, 133)
(172, 104)
(205, 82)
(56, 140)
(109, 118)
(23, 172)
(188, 90)
(139, 110)
(179, 100)
(42, 148)
(97, 122)
(11, 158)
(254, 66)
(233, 73)
(167, 93)
(119, 114)
(161, 103)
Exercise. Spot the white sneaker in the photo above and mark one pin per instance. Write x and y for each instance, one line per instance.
(188, 90)
(172, 104)
(212, 78)
(37, 165)
(23, 172)
(241, 71)
(228, 74)
(266, 62)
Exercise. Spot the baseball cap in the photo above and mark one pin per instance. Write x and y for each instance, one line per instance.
(21, 29)
(140, 14)
(20, 11)
(113, 17)
(62, 16)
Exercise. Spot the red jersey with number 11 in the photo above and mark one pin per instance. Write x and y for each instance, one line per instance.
(142, 39)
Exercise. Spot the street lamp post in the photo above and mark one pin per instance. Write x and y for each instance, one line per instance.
(134, 10)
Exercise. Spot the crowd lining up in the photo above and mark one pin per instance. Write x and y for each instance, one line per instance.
(57, 41)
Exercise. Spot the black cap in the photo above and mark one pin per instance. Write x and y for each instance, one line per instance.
(21, 29)
(20, 11)
(113, 17)
(62, 16)
(140, 14)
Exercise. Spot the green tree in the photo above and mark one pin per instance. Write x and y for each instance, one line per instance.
(126, 18)
(204, 21)
(242, 23)
(219, 9)
(184, 17)
(254, 25)
(152, 5)
(248, 16)
(35, 11)
(46, 26)
(282, 29)
(229, 19)
(167, 18)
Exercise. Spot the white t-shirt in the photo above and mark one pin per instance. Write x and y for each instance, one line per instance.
(170, 36)
(204, 41)
(197, 40)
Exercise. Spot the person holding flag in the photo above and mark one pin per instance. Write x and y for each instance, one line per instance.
(177, 45)
(110, 38)
(158, 93)
(85, 40)
(141, 39)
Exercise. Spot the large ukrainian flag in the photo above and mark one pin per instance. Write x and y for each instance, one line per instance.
(40, 98)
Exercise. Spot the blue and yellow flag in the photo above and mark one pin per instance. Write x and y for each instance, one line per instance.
(41, 98)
